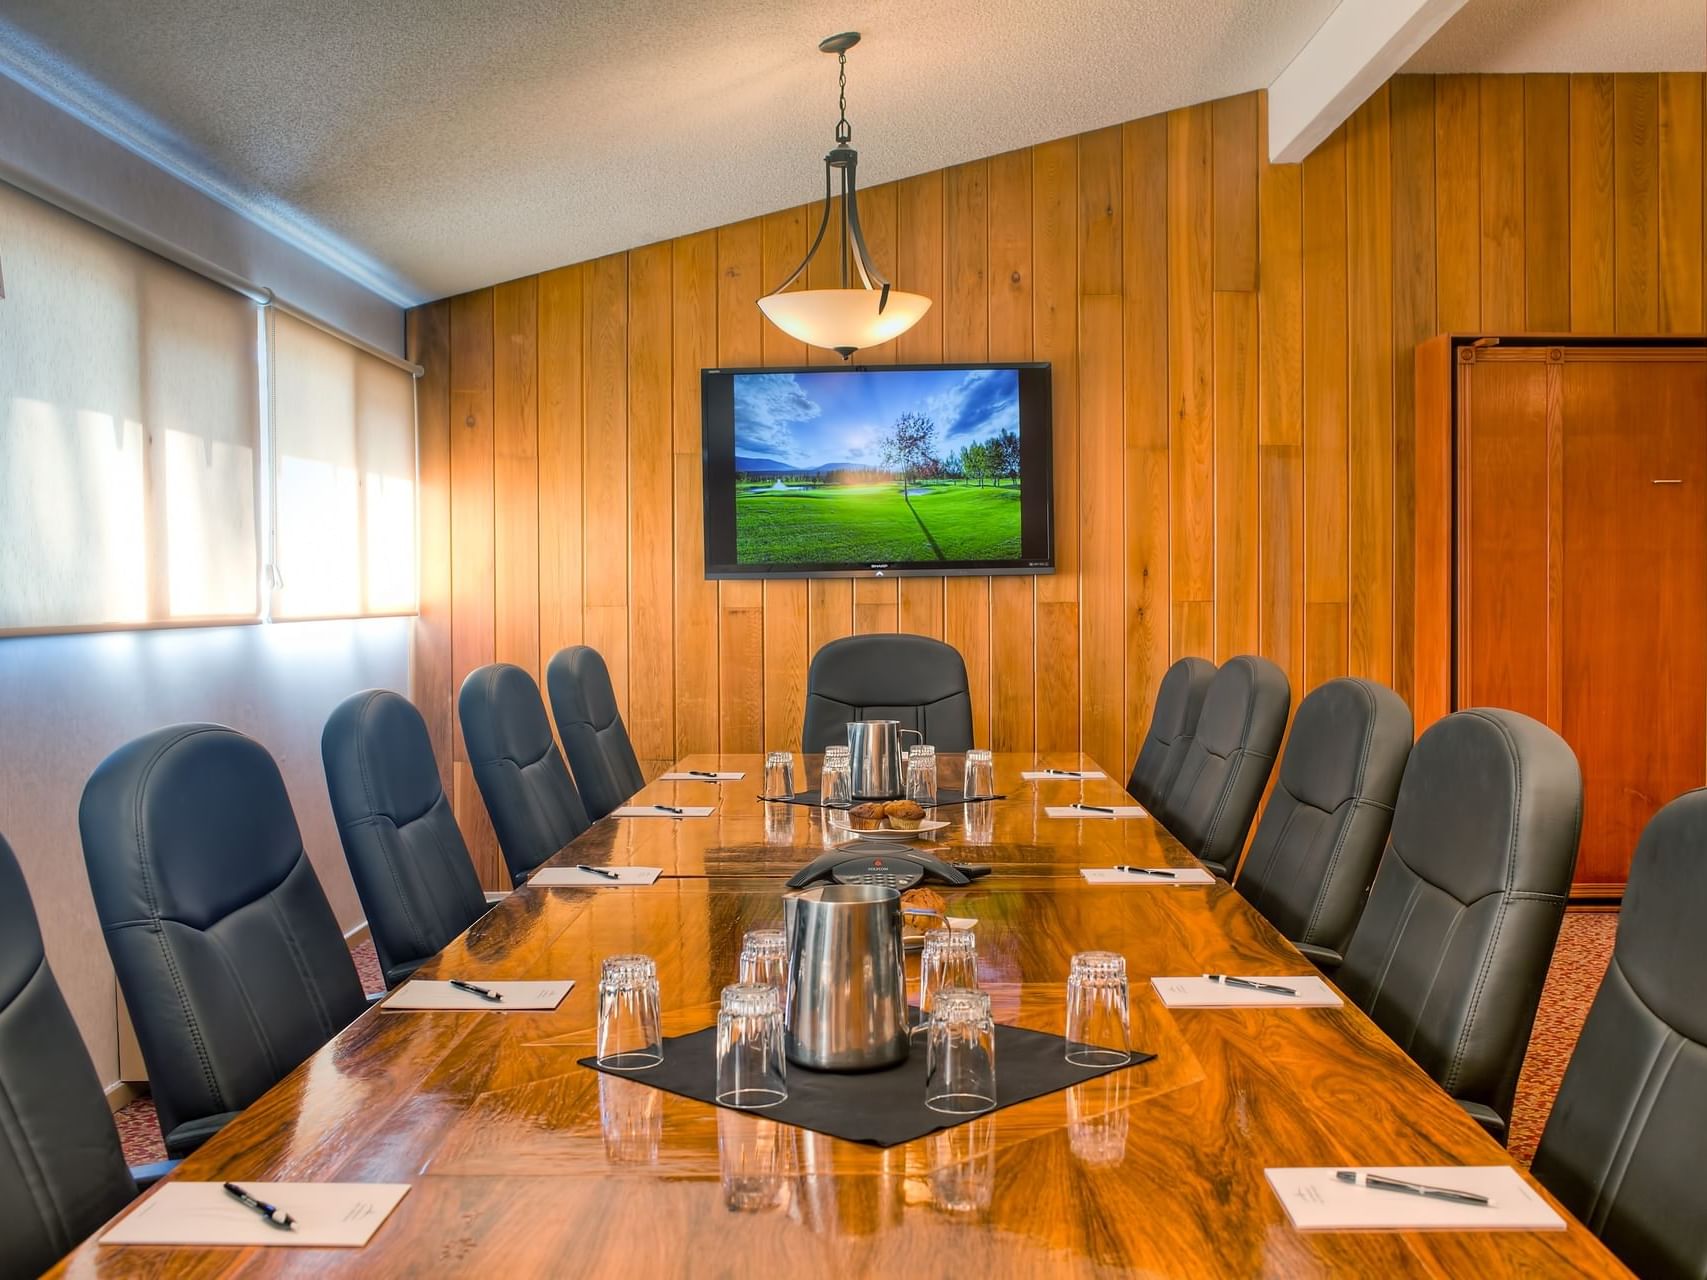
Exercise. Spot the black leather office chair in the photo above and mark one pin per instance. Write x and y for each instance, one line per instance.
(534, 806)
(62, 1173)
(1215, 795)
(1450, 953)
(406, 854)
(230, 959)
(919, 681)
(1326, 822)
(594, 737)
(1622, 1147)
(1173, 723)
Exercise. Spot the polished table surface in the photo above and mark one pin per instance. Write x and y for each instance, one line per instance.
(524, 1163)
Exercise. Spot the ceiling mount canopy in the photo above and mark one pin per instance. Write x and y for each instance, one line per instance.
(850, 317)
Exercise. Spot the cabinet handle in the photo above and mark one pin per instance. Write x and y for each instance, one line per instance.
(1668, 482)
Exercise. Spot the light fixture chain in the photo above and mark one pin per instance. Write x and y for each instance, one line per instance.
(844, 131)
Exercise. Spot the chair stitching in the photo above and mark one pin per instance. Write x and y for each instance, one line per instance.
(36, 1181)
(1606, 1194)
(290, 941)
(256, 1024)
(1397, 935)
(1334, 854)
(1279, 844)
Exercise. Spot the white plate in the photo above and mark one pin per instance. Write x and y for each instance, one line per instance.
(884, 836)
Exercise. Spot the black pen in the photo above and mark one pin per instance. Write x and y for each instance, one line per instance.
(1250, 985)
(597, 871)
(1375, 1182)
(701, 773)
(1146, 871)
(275, 1217)
(668, 808)
(1091, 808)
(482, 992)
(1064, 773)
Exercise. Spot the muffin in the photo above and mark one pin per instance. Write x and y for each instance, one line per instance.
(904, 815)
(865, 817)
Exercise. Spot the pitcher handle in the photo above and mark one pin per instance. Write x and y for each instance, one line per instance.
(920, 736)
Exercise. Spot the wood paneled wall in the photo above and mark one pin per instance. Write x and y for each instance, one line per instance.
(1232, 345)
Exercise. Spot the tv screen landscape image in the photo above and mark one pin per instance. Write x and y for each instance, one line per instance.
(877, 469)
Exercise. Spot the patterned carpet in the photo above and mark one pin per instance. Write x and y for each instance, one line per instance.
(1585, 948)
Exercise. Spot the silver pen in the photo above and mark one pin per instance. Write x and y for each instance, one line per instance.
(1250, 984)
(1375, 1182)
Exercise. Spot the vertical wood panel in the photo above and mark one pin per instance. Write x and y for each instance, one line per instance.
(1458, 202)
(562, 355)
(1238, 534)
(1191, 339)
(605, 466)
(919, 267)
(651, 510)
(515, 473)
(741, 633)
(1591, 204)
(1502, 182)
(1144, 277)
(693, 335)
(428, 345)
(1234, 126)
(1547, 202)
(1680, 202)
(1636, 203)
(1325, 390)
(1369, 317)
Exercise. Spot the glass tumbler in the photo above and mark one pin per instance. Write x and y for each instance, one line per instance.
(949, 961)
(629, 1037)
(1098, 1023)
(980, 775)
(921, 775)
(750, 1068)
(764, 958)
(779, 775)
(835, 781)
(960, 1063)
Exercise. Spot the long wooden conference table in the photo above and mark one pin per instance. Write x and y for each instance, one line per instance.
(523, 1163)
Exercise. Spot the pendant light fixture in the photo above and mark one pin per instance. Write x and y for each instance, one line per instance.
(853, 316)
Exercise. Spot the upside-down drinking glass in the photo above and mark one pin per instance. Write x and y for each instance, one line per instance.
(949, 961)
(779, 775)
(629, 1035)
(921, 775)
(764, 958)
(750, 1068)
(1098, 1025)
(960, 1067)
(980, 775)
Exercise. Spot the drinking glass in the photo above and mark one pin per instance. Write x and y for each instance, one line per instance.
(629, 1038)
(960, 1066)
(764, 958)
(980, 775)
(631, 1117)
(1098, 1117)
(752, 1158)
(921, 775)
(949, 961)
(835, 781)
(779, 775)
(750, 1068)
(1098, 1025)
(963, 1166)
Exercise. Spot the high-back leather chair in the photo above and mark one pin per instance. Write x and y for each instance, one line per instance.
(1215, 795)
(230, 959)
(534, 805)
(1622, 1147)
(1173, 724)
(62, 1173)
(594, 737)
(406, 854)
(919, 681)
(1453, 945)
(1326, 821)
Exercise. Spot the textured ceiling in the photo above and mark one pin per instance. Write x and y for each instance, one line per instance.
(1569, 35)
(432, 146)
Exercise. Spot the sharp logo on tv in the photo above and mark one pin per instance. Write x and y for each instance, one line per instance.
(890, 469)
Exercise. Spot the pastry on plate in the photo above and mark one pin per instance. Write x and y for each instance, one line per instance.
(904, 815)
(865, 817)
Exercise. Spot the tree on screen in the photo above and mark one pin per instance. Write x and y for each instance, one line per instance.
(910, 446)
(1005, 445)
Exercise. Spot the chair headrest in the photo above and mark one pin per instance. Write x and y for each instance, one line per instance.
(887, 670)
(1245, 706)
(503, 716)
(1328, 757)
(581, 691)
(1179, 698)
(377, 747)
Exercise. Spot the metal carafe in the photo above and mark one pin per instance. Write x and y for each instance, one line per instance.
(846, 1007)
(874, 754)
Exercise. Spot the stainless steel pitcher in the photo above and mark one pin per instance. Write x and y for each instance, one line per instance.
(847, 984)
(874, 751)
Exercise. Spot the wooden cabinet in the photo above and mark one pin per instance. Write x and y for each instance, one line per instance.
(1562, 493)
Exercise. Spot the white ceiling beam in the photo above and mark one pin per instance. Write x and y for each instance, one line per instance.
(1352, 54)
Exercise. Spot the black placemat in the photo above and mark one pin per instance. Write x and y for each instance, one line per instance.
(946, 797)
(879, 1108)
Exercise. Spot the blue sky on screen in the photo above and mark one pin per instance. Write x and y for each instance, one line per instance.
(809, 419)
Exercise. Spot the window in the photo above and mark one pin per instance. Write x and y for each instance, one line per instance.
(132, 455)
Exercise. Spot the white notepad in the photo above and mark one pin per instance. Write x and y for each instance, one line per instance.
(1201, 993)
(1182, 875)
(328, 1214)
(1120, 811)
(652, 811)
(519, 997)
(565, 877)
(734, 775)
(1316, 1200)
(1066, 775)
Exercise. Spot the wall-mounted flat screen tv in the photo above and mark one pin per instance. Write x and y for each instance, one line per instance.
(877, 470)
